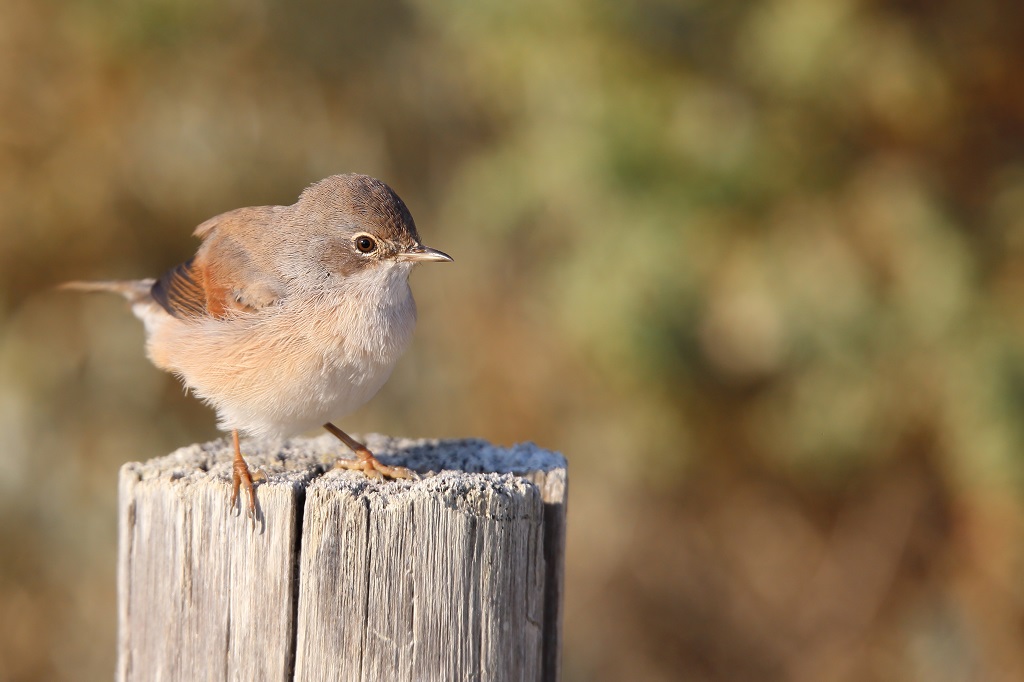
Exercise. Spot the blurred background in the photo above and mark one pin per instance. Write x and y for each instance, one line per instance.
(756, 268)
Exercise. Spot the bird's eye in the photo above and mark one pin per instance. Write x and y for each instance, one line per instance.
(365, 244)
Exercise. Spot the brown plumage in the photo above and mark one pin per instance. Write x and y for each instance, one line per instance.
(288, 316)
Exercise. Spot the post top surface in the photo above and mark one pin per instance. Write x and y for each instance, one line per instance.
(298, 462)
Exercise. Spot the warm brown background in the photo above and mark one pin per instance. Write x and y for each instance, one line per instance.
(756, 268)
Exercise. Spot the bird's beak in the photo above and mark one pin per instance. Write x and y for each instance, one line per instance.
(422, 253)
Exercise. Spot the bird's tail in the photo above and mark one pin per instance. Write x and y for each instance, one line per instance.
(135, 290)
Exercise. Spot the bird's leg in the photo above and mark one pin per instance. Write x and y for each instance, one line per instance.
(365, 461)
(240, 476)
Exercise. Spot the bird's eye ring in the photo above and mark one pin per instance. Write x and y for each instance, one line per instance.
(365, 244)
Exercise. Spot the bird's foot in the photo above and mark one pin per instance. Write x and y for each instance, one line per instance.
(242, 477)
(365, 461)
(373, 467)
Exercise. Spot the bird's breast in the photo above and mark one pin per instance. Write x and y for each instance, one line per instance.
(294, 366)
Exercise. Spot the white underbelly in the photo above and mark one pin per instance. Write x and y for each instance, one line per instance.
(290, 407)
(282, 372)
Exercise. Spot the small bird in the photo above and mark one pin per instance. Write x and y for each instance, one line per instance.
(288, 317)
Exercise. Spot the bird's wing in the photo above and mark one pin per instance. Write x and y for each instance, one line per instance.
(180, 291)
(225, 277)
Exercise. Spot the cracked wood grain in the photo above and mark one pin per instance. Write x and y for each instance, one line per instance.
(455, 576)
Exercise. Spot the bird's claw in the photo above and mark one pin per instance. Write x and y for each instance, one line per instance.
(373, 468)
(241, 476)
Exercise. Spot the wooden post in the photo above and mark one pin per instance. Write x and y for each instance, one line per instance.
(455, 576)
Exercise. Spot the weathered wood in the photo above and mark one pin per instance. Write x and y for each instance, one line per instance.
(455, 576)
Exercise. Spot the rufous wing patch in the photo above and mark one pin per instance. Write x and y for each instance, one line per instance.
(224, 277)
(180, 291)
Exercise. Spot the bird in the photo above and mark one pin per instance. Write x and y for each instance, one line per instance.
(288, 317)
